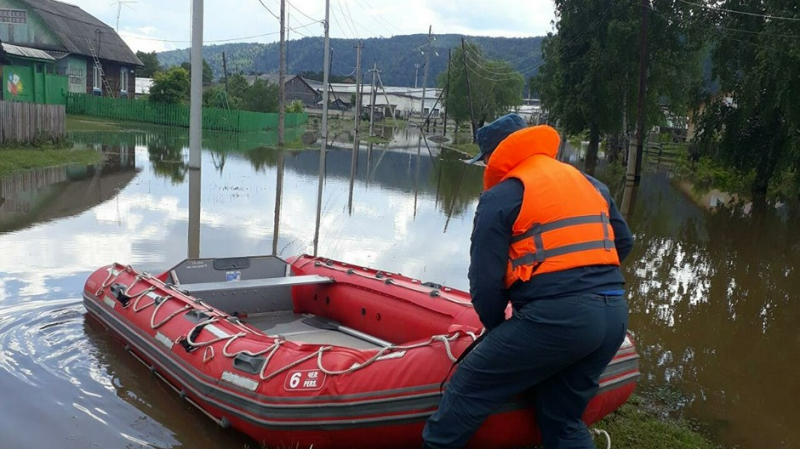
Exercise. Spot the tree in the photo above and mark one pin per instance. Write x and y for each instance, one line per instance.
(589, 80)
(151, 64)
(262, 96)
(496, 87)
(750, 125)
(170, 87)
(208, 74)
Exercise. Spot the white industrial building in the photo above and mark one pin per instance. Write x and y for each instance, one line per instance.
(405, 101)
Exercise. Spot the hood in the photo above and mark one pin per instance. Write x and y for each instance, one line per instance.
(542, 140)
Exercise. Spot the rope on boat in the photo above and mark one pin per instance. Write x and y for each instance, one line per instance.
(172, 315)
(272, 349)
(604, 433)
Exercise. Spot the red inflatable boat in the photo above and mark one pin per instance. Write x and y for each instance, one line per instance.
(312, 351)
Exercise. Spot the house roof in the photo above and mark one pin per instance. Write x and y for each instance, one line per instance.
(26, 52)
(75, 28)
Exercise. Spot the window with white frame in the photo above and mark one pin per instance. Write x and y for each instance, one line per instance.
(13, 16)
(98, 81)
(123, 79)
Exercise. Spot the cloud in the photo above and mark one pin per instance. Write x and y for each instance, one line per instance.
(159, 25)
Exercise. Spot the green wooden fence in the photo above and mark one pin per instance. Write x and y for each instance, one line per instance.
(176, 114)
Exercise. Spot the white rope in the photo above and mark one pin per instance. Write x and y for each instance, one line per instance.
(604, 433)
(153, 324)
(296, 362)
(272, 349)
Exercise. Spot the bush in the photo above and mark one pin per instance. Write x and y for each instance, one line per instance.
(295, 107)
(170, 87)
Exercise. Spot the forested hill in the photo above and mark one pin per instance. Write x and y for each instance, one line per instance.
(395, 56)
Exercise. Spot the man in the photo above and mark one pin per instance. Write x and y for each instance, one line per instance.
(548, 239)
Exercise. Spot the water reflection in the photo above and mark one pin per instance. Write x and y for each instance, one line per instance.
(48, 194)
(715, 307)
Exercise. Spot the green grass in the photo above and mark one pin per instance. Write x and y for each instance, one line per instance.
(24, 158)
(375, 139)
(638, 424)
(85, 123)
(469, 148)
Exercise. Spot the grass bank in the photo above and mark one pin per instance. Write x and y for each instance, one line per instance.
(641, 423)
(26, 158)
(85, 123)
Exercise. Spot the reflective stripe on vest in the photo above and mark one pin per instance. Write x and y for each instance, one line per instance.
(540, 254)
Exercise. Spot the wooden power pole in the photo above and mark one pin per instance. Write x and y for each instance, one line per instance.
(469, 90)
(636, 149)
(282, 77)
(425, 71)
(225, 71)
(447, 91)
(372, 99)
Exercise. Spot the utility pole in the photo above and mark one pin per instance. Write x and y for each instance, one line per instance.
(388, 103)
(358, 48)
(635, 151)
(225, 71)
(196, 91)
(282, 77)
(425, 71)
(447, 91)
(469, 90)
(416, 73)
(640, 135)
(372, 100)
(324, 130)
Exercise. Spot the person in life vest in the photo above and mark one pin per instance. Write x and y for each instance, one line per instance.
(549, 240)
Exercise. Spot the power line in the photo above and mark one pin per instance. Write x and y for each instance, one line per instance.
(716, 28)
(269, 10)
(350, 17)
(719, 31)
(378, 17)
(360, 25)
(302, 13)
(746, 13)
(227, 40)
(348, 24)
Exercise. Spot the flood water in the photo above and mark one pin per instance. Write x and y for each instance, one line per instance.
(713, 295)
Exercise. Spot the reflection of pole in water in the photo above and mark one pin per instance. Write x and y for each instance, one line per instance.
(416, 178)
(628, 199)
(353, 169)
(455, 196)
(438, 185)
(278, 198)
(369, 161)
(319, 199)
(194, 215)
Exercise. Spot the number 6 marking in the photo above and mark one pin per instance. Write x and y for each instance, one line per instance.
(294, 381)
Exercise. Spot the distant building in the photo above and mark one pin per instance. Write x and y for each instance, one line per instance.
(404, 101)
(73, 38)
(297, 88)
(143, 86)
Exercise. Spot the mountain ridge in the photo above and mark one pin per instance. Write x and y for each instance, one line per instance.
(395, 56)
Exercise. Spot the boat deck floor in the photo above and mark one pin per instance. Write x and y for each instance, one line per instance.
(291, 327)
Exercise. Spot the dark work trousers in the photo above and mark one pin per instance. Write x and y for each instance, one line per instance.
(555, 349)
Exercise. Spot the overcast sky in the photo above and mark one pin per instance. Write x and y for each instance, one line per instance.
(149, 25)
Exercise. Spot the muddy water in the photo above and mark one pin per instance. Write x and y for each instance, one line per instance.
(713, 295)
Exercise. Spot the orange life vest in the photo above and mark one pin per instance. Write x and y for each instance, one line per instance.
(564, 220)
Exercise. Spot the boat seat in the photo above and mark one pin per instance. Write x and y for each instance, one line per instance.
(251, 296)
(286, 281)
